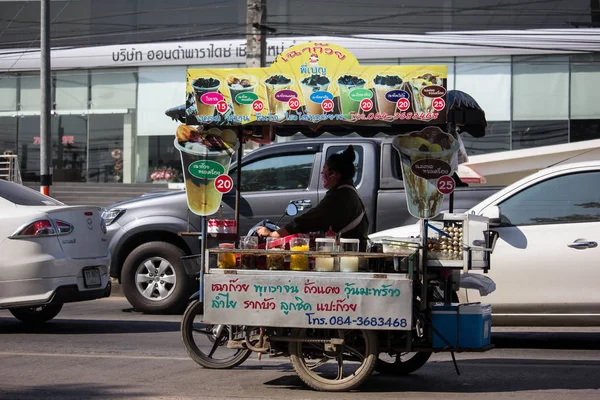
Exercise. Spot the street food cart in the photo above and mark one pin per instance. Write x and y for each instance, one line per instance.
(338, 313)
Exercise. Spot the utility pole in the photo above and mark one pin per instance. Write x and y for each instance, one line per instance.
(45, 82)
(256, 39)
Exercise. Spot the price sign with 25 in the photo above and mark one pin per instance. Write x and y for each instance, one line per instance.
(366, 104)
(445, 184)
(327, 105)
(223, 183)
(222, 106)
(438, 104)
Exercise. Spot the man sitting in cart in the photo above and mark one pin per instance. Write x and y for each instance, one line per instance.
(341, 210)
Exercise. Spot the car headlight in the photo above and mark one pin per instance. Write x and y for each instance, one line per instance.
(110, 216)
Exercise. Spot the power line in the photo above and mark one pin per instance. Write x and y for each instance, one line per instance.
(13, 18)
(31, 44)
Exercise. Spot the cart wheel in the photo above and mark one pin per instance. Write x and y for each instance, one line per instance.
(334, 368)
(402, 364)
(207, 344)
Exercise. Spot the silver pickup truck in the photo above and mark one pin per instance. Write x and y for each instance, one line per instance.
(144, 232)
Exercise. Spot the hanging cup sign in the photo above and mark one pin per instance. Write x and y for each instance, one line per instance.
(425, 157)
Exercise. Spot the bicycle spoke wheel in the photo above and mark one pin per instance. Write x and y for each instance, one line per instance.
(334, 368)
(207, 344)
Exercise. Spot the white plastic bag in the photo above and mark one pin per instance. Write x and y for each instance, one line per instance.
(484, 284)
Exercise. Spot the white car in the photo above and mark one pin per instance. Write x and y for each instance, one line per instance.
(546, 263)
(50, 254)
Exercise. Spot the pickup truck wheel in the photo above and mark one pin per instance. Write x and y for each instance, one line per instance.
(154, 279)
(36, 314)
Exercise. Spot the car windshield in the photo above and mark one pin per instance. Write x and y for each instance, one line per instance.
(23, 196)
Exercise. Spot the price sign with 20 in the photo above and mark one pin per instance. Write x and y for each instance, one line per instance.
(258, 106)
(403, 104)
(366, 104)
(294, 103)
(327, 105)
(223, 183)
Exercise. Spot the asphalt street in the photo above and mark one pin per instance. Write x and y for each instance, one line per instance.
(103, 350)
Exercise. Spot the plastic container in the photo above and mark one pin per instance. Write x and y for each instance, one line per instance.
(465, 326)
(325, 263)
(299, 262)
(213, 226)
(248, 243)
(226, 260)
(228, 226)
(275, 261)
(349, 263)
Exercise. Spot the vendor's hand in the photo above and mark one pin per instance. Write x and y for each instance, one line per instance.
(263, 231)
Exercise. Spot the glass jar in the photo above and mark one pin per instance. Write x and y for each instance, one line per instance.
(275, 261)
(349, 263)
(248, 261)
(299, 262)
(226, 260)
(325, 263)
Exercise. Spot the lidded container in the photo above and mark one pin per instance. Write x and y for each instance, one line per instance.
(248, 261)
(349, 262)
(226, 260)
(275, 261)
(299, 262)
(325, 263)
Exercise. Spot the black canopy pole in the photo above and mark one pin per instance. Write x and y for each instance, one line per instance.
(238, 178)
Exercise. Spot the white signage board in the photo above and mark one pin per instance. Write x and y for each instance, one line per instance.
(309, 301)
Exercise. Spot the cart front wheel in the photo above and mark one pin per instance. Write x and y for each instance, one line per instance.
(207, 344)
(402, 363)
(334, 367)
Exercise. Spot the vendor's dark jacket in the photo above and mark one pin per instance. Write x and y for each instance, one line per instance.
(339, 207)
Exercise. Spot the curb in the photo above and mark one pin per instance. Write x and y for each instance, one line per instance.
(116, 289)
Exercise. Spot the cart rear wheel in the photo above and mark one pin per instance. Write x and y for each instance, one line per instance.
(207, 344)
(402, 364)
(334, 368)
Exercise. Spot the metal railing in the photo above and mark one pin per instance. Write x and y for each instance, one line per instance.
(9, 168)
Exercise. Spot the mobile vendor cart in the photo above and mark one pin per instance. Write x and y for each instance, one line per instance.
(336, 326)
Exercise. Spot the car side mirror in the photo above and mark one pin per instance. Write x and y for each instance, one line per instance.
(291, 210)
(493, 214)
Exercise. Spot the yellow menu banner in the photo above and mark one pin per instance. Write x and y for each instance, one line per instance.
(314, 83)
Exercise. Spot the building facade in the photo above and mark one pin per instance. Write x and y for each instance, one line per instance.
(537, 87)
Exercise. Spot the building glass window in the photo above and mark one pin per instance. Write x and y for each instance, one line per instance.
(565, 199)
(30, 93)
(69, 148)
(8, 135)
(584, 129)
(105, 160)
(29, 146)
(71, 90)
(162, 154)
(497, 138)
(528, 134)
(114, 89)
(540, 87)
(8, 92)
(487, 80)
